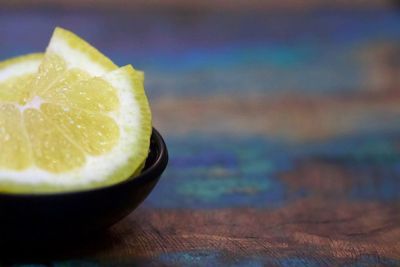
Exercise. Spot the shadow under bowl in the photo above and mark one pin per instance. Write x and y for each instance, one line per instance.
(37, 218)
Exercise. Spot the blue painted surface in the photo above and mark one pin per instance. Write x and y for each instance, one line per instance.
(223, 54)
(209, 258)
(220, 172)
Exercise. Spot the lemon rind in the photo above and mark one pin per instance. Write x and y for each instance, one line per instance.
(84, 47)
(20, 59)
(26, 64)
(78, 53)
(142, 144)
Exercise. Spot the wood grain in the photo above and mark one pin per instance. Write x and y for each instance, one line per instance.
(327, 233)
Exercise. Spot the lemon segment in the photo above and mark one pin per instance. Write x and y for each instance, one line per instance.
(15, 152)
(75, 88)
(52, 150)
(16, 90)
(95, 133)
(15, 76)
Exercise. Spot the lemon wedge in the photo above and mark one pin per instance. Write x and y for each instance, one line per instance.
(70, 119)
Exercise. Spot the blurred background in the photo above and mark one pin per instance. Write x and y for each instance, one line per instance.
(297, 70)
(245, 92)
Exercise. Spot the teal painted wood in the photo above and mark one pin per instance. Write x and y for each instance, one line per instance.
(283, 130)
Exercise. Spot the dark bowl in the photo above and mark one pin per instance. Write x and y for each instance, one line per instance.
(50, 217)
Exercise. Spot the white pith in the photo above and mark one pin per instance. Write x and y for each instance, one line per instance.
(19, 68)
(96, 168)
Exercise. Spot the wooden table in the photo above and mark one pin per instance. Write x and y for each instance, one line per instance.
(283, 128)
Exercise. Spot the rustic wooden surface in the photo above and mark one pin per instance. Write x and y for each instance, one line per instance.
(283, 128)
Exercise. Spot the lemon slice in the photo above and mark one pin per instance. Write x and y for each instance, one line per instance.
(78, 122)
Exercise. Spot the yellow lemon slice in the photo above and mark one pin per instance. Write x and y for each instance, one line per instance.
(72, 122)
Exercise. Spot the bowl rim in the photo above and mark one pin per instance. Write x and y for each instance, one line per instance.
(149, 174)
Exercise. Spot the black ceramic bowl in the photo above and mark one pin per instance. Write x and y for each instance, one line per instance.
(48, 217)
